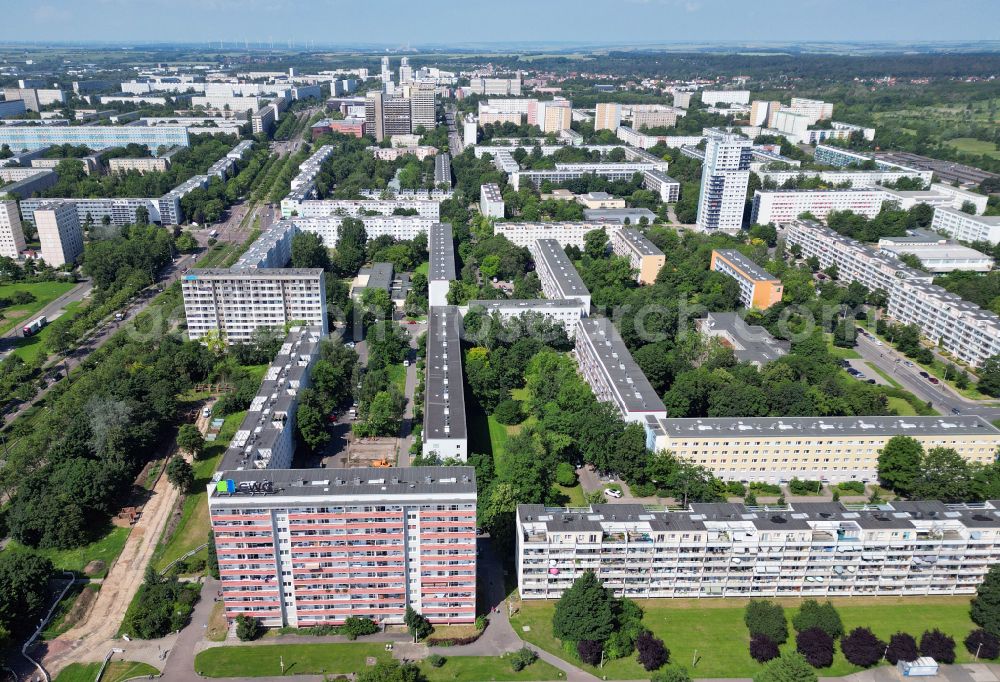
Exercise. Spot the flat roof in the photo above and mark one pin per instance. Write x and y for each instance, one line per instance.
(379, 276)
(747, 266)
(818, 516)
(618, 214)
(491, 191)
(984, 219)
(525, 303)
(790, 427)
(250, 273)
(444, 387)
(561, 267)
(360, 482)
(635, 391)
(931, 252)
(442, 253)
(751, 343)
(638, 242)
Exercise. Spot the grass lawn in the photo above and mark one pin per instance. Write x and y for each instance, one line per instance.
(485, 668)
(574, 495)
(838, 352)
(115, 672)
(217, 625)
(971, 145)
(902, 408)
(397, 375)
(44, 293)
(300, 659)
(106, 549)
(498, 441)
(59, 624)
(885, 375)
(423, 268)
(192, 530)
(714, 630)
(30, 348)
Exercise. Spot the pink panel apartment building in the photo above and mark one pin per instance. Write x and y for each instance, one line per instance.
(302, 547)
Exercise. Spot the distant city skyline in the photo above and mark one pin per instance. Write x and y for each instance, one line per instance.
(397, 23)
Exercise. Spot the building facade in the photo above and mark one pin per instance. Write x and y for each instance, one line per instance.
(303, 548)
(11, 235)
(965, 227)
(724, 181)
(730, 550)
(558, 277)
(758, 288)
(95, 137)
(783, 205)
(644, 256)
(59, 233)
(491, 201)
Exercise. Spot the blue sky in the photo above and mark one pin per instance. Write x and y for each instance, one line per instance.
(397, 22)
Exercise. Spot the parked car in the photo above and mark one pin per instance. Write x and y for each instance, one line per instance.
(206, 412)
(871, 381)
(611, 492)
(332, 418)
(907, 363)
(925, 375)
(406, 363)
(934, 380)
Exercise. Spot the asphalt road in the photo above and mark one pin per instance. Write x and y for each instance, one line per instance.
(60, 365)
(941, 397)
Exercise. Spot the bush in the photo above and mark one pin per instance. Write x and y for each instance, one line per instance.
(653, 654)
(765, 488)
(522, 658)
(824, 616)
(902, 647)
(565, 475)
(862, 647)
(816, 646)
(482, 622)
(642, 489)
(856, 487)
(763, 617)
(673, 674)
(735, 489)
(938, 646)
(436, 660)
(355, 627)
(791, 667)
(983, 644)
(800, 487)
(763, 648)
(509, 412)
(248, 628)
(620, 644)
(589, 651)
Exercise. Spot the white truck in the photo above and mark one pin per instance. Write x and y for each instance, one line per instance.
(34, 326)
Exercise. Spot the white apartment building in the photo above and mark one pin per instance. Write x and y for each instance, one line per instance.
(567, 233)
(441, 269)
(151, 164)
(496, 86)
(565, 311)
(423, 105)
(724, 181)
(634, 138)
(960, 327)
(834, 449)
(664, 185)
(237, 302)
(470, 130)
(817, 549)
(815, 109)
(961, 196)
(665, 117)
(713, 98)
(782, 205)
(965, 227)
(607, 116)
(558, 277)
(272, 249)
(857, 178)
(429, 209)
(11, 235)
(445, 434)
(608, 367)
(59, 233)
(937, 254)
(266, 437)
(762, 112)
(491, 201)
(643, 255)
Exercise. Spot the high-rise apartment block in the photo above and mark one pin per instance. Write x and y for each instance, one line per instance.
(302, 548)
(555, 115)
(970, 228)
(491, 201)
(236, 302)
(608, 116)
(558, 277)
(423, 107)
(724, 180)
(11, 234)
(758, 287)
(59, 233)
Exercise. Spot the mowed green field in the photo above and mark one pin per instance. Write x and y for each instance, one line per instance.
(299, 659)
(44, 293)
(711, 632)
(971, 145)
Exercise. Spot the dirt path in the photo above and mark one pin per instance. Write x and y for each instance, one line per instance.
(91, 639)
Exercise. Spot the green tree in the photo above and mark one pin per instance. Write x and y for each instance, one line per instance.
(584, 611)
(418, 626)
(766, 618)
(824, 616)
(595, 243)
(180, 474)
(308, 251)
(310, 419)
(899, 464)
(789, 667)
(24, 584)
(985, 610)
(248, 628)
(675, 673)
(391, 671)
(989, 376)
(190, 439)
(944, 475)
